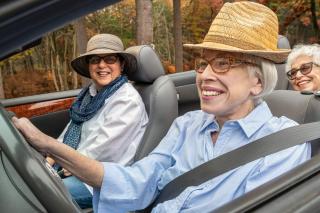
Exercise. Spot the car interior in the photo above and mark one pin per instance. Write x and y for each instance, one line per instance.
(167, 96)
(29, 181)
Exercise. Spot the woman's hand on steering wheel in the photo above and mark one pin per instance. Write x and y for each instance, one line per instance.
(32, 134)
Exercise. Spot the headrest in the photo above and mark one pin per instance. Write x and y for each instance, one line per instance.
(283, 82)
(149, 66)
(283, 42)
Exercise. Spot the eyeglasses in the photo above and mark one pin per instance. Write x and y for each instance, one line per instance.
(108, 59)
(304, 70)
(218, 65)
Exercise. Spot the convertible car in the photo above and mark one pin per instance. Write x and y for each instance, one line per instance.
(29, 184)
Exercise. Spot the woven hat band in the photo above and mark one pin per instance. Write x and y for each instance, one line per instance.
(240, 44)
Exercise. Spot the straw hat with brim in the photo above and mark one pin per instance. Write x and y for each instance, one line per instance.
(245, 27)
(99, 45)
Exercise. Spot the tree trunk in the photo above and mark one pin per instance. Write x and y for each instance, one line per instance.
(12, 70)
(54, 66)
(295, 12)
(1, 85)
(53, 73)
(64, 66)
(74, 54)
(144, 31)
(81, 46)
(314, 19)
(28, 62)
(167, 39)
(177, 36)
(59, 72)
(43, 53)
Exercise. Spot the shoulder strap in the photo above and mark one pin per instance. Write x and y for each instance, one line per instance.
(262, 147)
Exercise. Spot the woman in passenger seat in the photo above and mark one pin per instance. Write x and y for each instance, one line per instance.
(303, 67)
(235, 70)
(108, 118)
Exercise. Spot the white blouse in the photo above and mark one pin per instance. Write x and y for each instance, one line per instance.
(114, 133)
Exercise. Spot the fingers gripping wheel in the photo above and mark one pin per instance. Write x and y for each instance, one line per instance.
(32, 168)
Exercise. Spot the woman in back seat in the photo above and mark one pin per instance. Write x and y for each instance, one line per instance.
(236, 69)
(303, 67)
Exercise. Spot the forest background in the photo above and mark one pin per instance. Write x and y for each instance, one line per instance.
(165, 24)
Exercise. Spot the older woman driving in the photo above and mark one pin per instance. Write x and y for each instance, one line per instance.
(303, 67)
(234, 72)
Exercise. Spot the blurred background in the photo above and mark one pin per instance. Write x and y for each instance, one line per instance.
(164, 24)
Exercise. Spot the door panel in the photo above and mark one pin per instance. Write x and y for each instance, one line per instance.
(49, 112)
(52, 123)
(40, 108)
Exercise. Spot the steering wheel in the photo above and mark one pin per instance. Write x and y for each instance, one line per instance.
(34, 170)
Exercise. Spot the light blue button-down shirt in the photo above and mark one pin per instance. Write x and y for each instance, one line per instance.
(187, 145)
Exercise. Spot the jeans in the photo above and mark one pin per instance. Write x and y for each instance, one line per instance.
(78, 191)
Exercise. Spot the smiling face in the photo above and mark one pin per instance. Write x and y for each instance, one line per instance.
(227, 95)
(102, 72)
(308, 82)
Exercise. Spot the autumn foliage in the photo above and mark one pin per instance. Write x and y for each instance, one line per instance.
(49, 62)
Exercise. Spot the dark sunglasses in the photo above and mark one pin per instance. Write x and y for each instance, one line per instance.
(108, 59)
(218, 65)
(304, 70)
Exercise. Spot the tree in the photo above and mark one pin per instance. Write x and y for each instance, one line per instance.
(314, 19)
(298, 19)
(80, 46)
(144, 30)
(1, 85)
(177, 36)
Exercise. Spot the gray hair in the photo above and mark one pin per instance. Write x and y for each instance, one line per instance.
(267, 74)
(312, 50)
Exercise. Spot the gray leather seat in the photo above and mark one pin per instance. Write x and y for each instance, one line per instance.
(159, 96)
(298, 107)
(283, 82)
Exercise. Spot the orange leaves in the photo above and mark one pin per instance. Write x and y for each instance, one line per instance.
(305, 20)
(216, 4)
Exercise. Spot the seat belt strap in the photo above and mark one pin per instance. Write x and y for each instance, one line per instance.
(262, 147)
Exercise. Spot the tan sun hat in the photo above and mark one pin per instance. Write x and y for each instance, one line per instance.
(99, 44)
(245, 27)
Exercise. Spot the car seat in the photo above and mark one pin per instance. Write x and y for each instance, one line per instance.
(296, 106)
(283, 82)
(158, 94)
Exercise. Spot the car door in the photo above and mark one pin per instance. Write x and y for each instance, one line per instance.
(49, 112)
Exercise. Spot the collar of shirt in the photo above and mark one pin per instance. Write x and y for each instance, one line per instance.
(255, 120)
(249, 124)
